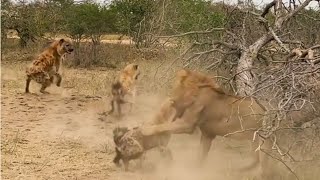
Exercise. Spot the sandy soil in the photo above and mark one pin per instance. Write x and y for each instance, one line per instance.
(63, 136)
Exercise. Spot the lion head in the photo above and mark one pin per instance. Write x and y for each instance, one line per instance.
(189, 82)
(186, 88)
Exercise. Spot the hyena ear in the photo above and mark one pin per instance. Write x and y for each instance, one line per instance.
(136, 77)
(61, 41)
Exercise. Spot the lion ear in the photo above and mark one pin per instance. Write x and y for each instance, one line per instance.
(182, 73)
(61, 41)
(135, 67)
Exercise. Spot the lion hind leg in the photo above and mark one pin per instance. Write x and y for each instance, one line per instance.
(267, 171)
(126, 164)
(254, 164)
(261, 161)
(206, 142)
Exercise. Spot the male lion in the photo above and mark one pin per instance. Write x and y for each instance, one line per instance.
(203, 104)
(132, 144)
(42, 69)
(126, 84)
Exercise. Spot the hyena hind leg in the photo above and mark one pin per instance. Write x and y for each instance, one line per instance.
(44, 85)
(117, 158)
(119, 107)
(28, 80)
(112, 107)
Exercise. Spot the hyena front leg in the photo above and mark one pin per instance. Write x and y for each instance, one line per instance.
(59, 79)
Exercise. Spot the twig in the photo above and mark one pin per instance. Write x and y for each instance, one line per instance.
(262, 150)
(308, 72)
(240, 131)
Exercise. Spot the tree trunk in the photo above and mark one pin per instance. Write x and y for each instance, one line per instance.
(244, 76)
(76, 53)
(96, 39)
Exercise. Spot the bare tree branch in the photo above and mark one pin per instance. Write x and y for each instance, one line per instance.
(267, 8)
(315, 47)
(227, 45)
(193, 32)
(295, 11)
(278, 40)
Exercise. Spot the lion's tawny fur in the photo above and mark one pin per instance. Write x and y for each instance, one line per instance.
(205, 105)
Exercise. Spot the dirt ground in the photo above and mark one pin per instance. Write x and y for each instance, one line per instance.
(64, 136)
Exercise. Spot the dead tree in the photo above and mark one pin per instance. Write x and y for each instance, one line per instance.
(244, 78)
